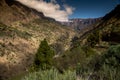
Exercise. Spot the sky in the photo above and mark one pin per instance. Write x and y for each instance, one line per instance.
(63, 10)
(89, 8)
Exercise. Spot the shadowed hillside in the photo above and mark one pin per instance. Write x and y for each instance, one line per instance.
(108, 29)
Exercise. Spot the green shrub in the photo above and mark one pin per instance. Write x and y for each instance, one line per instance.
(71, 58)
(112, 56)
(108, 67)
(51, 74)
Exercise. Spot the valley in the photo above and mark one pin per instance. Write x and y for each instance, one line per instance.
(36, 47)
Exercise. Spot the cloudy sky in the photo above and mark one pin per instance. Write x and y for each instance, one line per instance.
(91, 8)
(62, 10)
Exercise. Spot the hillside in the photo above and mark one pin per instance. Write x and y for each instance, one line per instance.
(21, 30)
(13, 11)
(95, 55)
(107, 30)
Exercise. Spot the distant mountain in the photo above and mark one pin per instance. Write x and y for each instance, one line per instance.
(79, 24)
(21, 30)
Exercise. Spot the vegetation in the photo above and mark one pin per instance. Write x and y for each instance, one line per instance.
(12, 32)
(78, 55)
(85, 60)
(44, 56)
(51, 74)
(107, 67)
(93, 38)
(18, 39)
(80, 61)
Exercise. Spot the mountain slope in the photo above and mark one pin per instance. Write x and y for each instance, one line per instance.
(12, 11)
(21, 30)
(108, 29)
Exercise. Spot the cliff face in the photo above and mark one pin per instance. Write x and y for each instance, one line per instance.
(80, 24)
(21, 30)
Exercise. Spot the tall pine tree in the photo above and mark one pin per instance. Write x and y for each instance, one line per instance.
(44, 56)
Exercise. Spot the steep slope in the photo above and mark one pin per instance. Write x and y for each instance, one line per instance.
(12, 11)
(108, 30)
(21, 30)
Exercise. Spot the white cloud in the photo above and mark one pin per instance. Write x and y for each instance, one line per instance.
(51, 9)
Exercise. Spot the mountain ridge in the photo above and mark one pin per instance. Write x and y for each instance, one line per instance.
(17, 11)
(108, 28)
(79, 23)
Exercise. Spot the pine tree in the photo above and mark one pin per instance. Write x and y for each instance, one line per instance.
(44, 56)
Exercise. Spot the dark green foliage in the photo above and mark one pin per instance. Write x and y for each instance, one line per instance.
(75, 42)
(111, 34)
(112, 56)
(93, 38)
(108, 66)
(44, 56)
